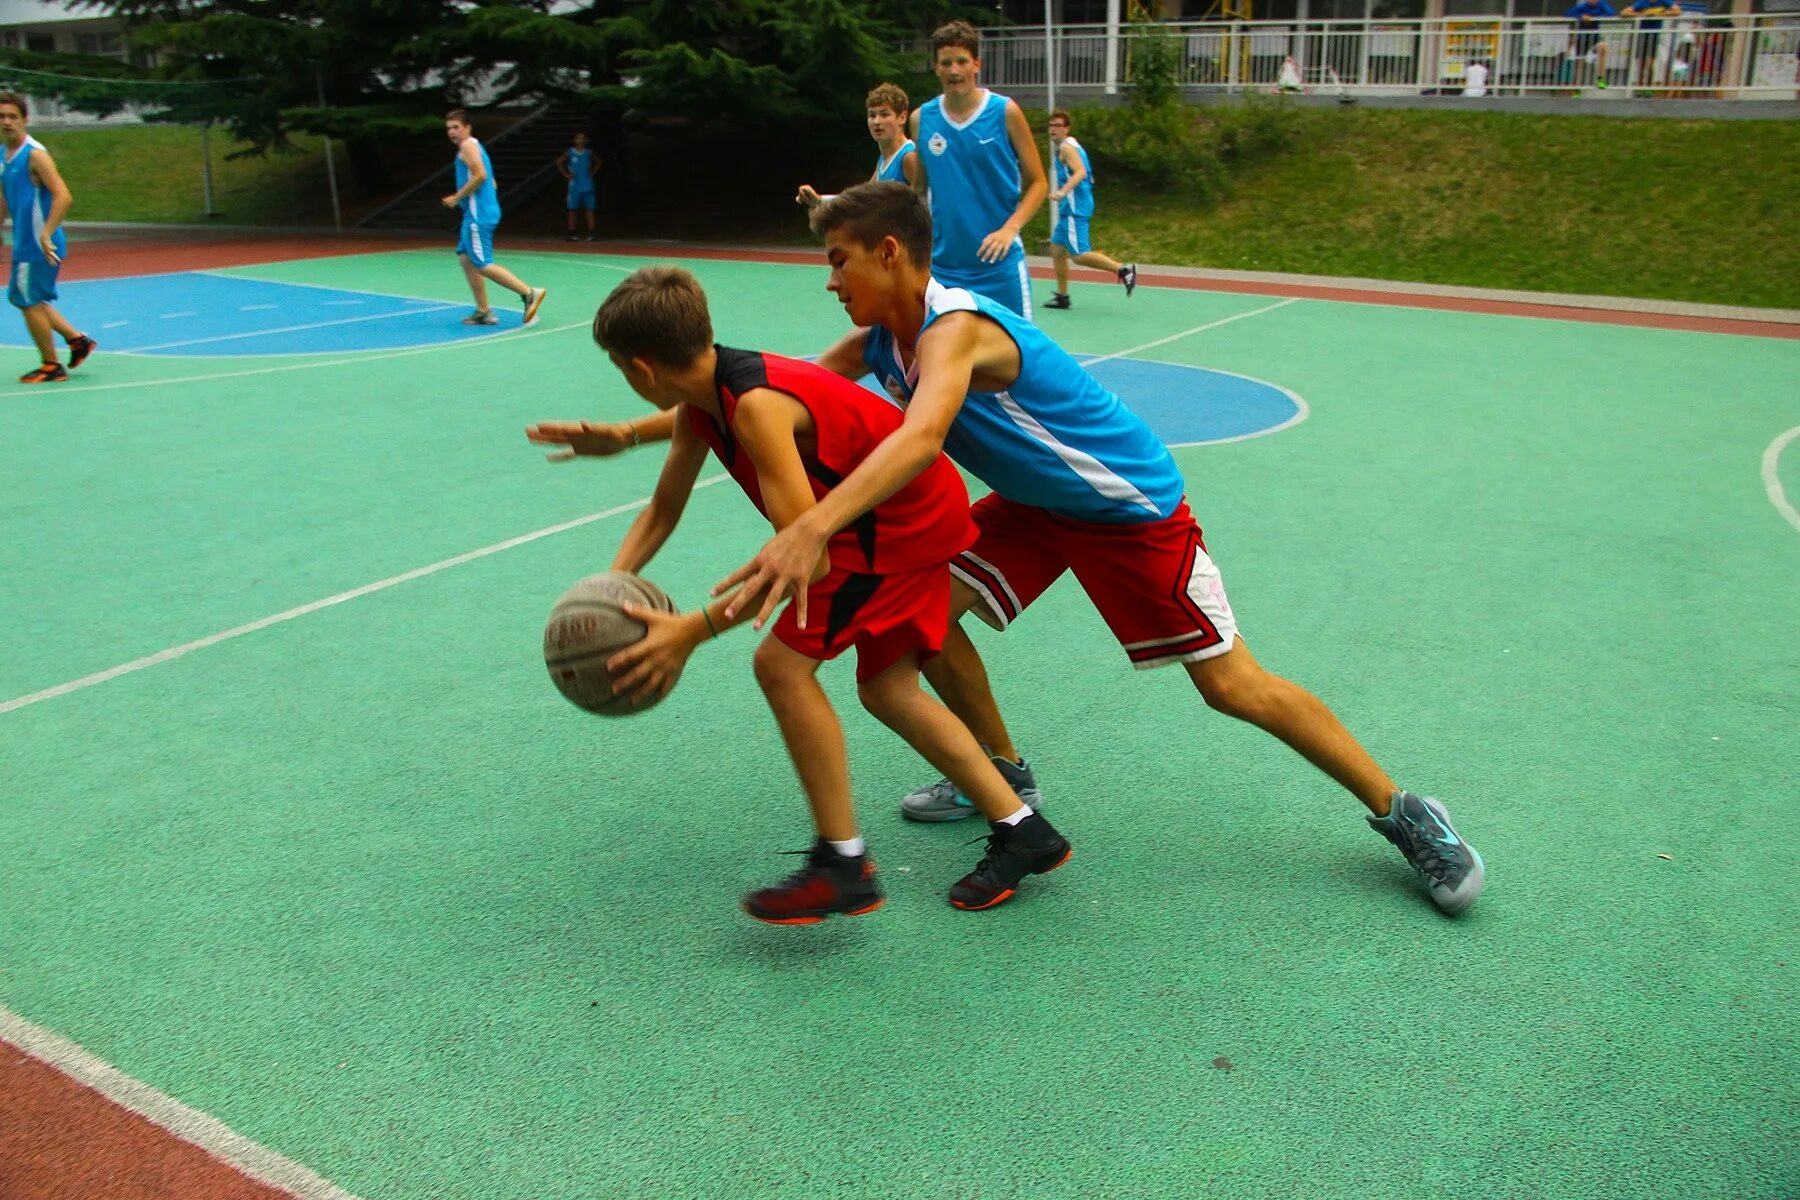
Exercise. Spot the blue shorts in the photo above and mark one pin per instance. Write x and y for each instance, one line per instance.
(32, 284)
(1071, 233)
(1005, 282)
(477, 243)
(581, 197)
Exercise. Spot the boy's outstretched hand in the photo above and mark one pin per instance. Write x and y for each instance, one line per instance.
(786, 566)
(582, 438)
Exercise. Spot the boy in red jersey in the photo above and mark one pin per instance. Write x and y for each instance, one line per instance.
(788, 432)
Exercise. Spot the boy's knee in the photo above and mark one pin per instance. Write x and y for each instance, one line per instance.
(774, 666)
(1235, 689)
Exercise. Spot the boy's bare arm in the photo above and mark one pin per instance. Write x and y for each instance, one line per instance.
(659, 519)
(562, 166)
(471, 157)
(845, 356)
(1072, 162)
(916, 176)
(43, 169)
(996, 245)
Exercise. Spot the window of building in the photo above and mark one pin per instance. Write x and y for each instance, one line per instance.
(105, 43)
(40, 43)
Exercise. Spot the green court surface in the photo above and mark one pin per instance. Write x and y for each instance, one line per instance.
(360, 885)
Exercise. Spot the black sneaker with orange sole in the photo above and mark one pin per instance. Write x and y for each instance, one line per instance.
(48, 373)
(1032, 847)
(829, 883)
(80, 346)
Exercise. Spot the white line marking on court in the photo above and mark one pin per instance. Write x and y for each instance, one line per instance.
(114, 324)
(1175, 337)
(256, 307)
(232, 337)
(317, 287)
(173, 316)
(511, 335)
(331, 303)
(368, 589)
(1302, 409)
(1771, 477)
(570, 260)
(164, 1111)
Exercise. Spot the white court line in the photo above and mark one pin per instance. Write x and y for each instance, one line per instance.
(114, 324)
(232, 337)
(173, 316)
(164, 1111)
(332, 303)
(1175, 337)
(175, 652)
(511, 335)
(1771, 477)
(257, 307)
(226, 273)
(571, 260)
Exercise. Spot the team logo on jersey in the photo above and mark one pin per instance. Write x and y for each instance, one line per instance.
(937, 144)
(895, 389)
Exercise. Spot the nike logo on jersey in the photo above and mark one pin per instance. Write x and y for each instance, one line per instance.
(984, 141)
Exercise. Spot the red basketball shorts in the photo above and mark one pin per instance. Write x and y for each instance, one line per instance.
(1153, 582)
(886, 617)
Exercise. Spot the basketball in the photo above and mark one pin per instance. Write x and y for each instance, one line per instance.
(587, 626)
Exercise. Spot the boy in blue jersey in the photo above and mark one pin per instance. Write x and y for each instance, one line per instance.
(896, 160)
(579, 164)
(479, 201)
(1587, 44)
(980, 172)
(1079, 484)
(1074, 194)
(37, 199)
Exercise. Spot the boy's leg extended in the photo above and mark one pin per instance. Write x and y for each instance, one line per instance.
(960, 679)
(37, 323)
(477, 284)
(1059, 259)
(506, 279)
(1093, 258)
(1235, 684)
(895, 698)
(814, 738)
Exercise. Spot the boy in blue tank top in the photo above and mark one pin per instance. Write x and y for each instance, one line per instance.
(36, 198)
(1081, 485)
(982, 176)
(895, 159)
(1073, 190)
(478, 199)
(579, 164)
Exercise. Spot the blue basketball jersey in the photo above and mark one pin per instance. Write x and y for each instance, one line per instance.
(580, 162)
(974, 181)
(29, 204)
(1055, 439)
(481, 206)
(889, 170)
(1080, 202)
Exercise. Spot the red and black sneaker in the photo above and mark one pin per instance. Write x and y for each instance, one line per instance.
(1032, 847)
(80, 346)
(828, 883)
(48, 373)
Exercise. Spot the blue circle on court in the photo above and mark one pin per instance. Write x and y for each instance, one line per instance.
(1192, 406)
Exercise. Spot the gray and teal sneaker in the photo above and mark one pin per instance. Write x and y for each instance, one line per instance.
(1447, 865)
(943, 802)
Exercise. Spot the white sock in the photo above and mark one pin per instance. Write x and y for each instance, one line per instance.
(852, 848)
(1024, 811)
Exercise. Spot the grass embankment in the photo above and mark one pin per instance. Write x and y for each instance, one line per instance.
(1685, 210)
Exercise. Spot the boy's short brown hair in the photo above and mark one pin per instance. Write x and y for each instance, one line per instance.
(17, 100)
(1062, 114)
(460, 116)
(956, 33)
(869, 212)
(888, 95)
(658, 314)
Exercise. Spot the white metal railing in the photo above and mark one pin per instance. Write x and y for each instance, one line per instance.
(1694, 55)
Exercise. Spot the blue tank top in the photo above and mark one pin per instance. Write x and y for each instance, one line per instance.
(891, 170)
(1080, 202)
(974, 181)
(1055, 439)
(481, 206)
(579, 168)
(28, 203)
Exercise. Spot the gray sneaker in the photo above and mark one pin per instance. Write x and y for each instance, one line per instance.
(1447, 865)
(942, 802)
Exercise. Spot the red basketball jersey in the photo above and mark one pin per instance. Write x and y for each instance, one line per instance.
(923, 524)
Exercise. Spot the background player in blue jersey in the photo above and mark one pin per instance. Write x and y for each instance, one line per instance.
(36, 198)
(981, 175)
(479, 200)
(579, 164)
(895, 158)
(1080, 485)
(1074, 194)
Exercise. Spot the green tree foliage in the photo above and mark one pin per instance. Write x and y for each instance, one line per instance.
(363, 70)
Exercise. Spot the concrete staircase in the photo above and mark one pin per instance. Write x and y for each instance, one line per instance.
(524, 158)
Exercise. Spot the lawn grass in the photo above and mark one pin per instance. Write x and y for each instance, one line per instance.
(1672, 209)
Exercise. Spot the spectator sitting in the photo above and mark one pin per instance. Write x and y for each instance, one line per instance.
(1475, 77)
